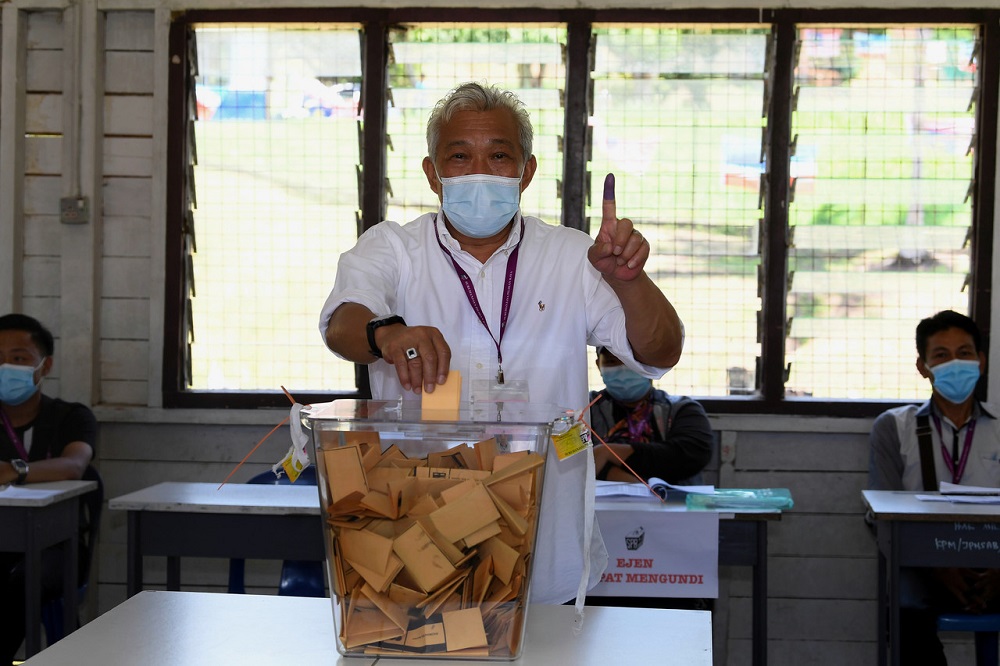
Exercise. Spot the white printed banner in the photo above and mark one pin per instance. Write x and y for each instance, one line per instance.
(660, 554)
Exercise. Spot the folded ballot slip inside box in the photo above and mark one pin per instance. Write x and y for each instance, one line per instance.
(430, 524)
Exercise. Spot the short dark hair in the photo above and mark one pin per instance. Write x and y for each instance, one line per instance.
(942, 321)
(40, 335)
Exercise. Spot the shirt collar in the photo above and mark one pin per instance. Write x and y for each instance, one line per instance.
(441, 229)
(978, 409)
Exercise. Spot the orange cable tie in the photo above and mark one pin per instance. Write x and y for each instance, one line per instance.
(592, 403)
(663, 500)
(257, 446)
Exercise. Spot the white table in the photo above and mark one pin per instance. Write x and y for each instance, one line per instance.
(35, 517)
(193, 628)
(914, 533)
(236, 521)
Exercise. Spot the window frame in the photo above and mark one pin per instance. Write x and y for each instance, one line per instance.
(769, 398)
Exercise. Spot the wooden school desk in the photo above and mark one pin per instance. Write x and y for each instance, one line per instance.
(248, 521)
(914, 533)
(158, 628)
(34, 517)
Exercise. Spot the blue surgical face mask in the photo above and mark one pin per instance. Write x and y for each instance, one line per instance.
(955, 380)
(480, 205)
(625, 384)
(17, 382)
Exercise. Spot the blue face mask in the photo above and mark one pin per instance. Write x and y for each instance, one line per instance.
(955, 380)
(480, 205)
(17, 383)
(624, 384)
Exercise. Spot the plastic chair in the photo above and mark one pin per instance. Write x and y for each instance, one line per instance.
(91, 505)
(985, 627)
(299, 578)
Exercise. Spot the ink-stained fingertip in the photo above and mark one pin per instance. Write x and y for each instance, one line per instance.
(609, 187)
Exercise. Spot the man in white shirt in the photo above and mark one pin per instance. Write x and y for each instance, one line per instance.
(504, 299)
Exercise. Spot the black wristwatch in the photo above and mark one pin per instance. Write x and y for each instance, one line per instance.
(21, 468)
(384, 320)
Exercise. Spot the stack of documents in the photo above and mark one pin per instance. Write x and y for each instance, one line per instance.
(951, 492)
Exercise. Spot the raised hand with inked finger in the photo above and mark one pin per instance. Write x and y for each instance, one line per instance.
(619, 251)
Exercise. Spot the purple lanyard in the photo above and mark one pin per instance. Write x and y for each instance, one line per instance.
(949, 458)
(508, 292)
(15, 440)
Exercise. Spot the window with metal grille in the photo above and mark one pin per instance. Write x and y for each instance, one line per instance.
(677, 118)
(810, 188)
(883, 133)
(526, 59)
(275, 126)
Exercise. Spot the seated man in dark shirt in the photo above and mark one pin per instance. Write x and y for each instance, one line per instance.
(656, 435)
(41, 439)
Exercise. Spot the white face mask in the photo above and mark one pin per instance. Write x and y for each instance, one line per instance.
(480, 205)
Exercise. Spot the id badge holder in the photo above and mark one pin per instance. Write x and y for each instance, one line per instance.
(485, 390)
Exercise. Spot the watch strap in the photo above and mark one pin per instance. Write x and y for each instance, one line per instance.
(375, 323)
(21, 468)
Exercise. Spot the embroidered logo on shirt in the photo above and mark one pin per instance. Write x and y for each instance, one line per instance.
(541, 306)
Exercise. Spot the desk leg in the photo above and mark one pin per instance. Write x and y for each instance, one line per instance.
(70, 584)
(760, 597)
(173, 573)
(893, 592)
(882, 601)
(133, 576)
(33, 597)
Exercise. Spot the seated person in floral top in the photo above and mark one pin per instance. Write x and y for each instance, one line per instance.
(656, 435)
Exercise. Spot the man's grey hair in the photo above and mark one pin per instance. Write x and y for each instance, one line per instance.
(474, 96)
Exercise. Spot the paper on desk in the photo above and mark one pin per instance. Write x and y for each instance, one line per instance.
(960, 499)
(630, 489)
(974, 499)
(955, 489)
(27, 492)
(952, 492)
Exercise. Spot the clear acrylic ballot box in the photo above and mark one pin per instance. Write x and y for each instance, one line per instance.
(430, 523)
